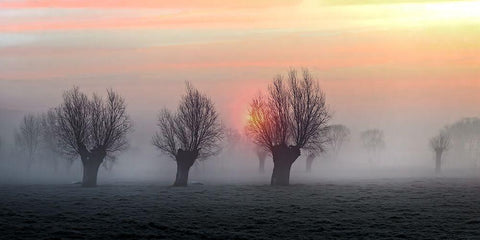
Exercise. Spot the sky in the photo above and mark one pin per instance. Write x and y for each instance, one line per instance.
(408, 67)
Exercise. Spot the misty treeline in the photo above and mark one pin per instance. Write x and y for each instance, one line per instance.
(460, 140)
(289, 120)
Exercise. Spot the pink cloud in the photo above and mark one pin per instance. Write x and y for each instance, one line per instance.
(146, 4)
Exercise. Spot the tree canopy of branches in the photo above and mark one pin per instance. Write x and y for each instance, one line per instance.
(193, 131)
(465, 139)
(338, 135)
(440, 144)
(373, 141)
(28, 137)
(50, 144)
(293, 115)
(92, 128)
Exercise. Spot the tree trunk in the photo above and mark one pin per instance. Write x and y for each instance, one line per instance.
(29, 161)
(90, 172)
(438, 161)
(310, 159)
(261, 165)
(55, 165)
(91, 161)
(185, 160)
(283, 158)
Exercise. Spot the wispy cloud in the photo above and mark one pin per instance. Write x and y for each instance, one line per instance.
(145, 3)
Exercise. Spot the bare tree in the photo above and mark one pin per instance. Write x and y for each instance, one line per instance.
(92, 128)
(465, 140)
(338, 135)
(373, 141)
(49, 144)
(193, 131)
(293, 116)
(310, 157)
(262, 156)
(232, 137)
(28, 137)
(440, 144)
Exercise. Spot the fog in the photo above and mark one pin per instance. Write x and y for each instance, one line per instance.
(406, 154)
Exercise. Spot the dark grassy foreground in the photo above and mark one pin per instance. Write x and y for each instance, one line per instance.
(383, 209)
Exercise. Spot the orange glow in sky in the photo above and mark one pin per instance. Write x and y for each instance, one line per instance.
(379, 62)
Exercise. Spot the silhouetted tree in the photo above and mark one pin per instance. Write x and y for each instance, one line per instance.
(192, 132)
(440, 144)
(28, 137)
(373, 141)
(293, 116)
(92, 128)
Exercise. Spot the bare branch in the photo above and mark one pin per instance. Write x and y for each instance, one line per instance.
(293, 115)
(83, 125)
(441, 142)
(337, 135)
(194, 127)
(28, 137)
(373, 140)
(166, 139)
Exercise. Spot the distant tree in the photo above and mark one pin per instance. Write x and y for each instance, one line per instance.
(465, 139)
(262, 156)
(440, 144)
(193, 131)
(310, 157)
(232, 137)
(293, 116)
(338, 135)
(50, 145)
(28, 137)
(92, 128)
(373, 141)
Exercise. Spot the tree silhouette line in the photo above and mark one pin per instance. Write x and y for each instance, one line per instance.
(292, 116)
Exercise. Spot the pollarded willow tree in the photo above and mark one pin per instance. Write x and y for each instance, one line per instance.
(28, 137)
(373, 141)
(440, 144)
(192, 132)
(293, 116)
(93, 128)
